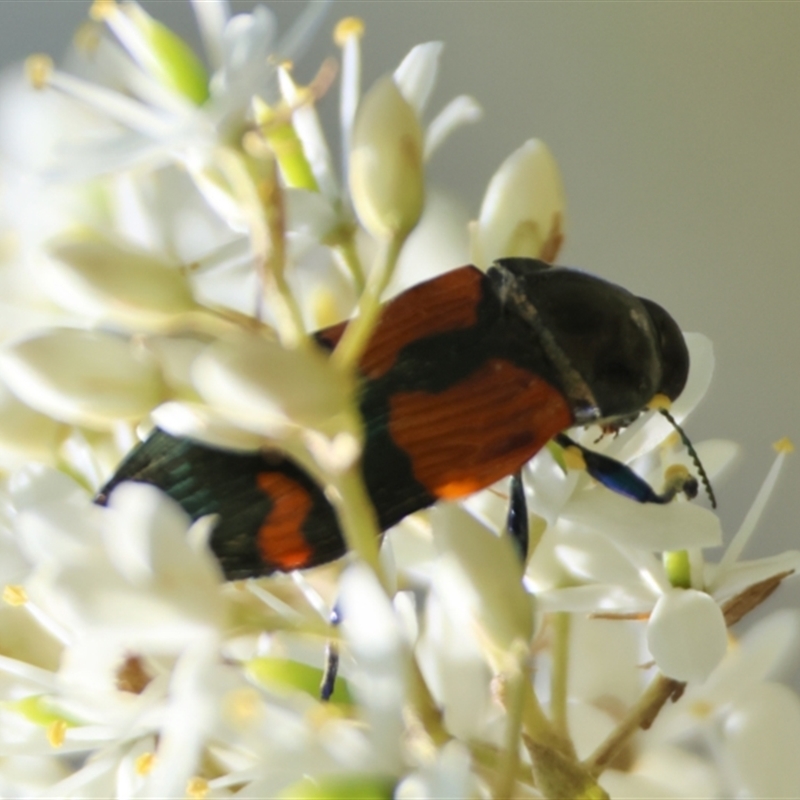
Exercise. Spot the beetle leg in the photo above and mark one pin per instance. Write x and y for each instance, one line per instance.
(331, 660)
(517, 519)
(623, 480)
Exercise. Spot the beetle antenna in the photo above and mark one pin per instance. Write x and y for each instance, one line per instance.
(693, 453)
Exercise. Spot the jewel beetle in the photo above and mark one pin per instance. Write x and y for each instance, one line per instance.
(466, 377)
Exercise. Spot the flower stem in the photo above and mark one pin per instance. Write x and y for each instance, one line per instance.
(517, 679)
(357, 519)
(356, 336)
(348, 253)
(642, 715)
(561, 622)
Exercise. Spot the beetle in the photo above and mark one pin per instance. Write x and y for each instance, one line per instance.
(466, 377)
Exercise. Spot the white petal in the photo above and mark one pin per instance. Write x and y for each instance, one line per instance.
(87, 378)
(487, 568)
(750, 522)
(212, 16)
(25, 434)
(604, 661)
(203, 424)
(461, 110)
(647, 526)
(645, 435)
(687, 635)
(376, 639)
(597, 599)
(595, 558)
(665, 772)
(36, 486)
(268, 389)
(552, 486)
(767, 650)
(761, 734)
(416, 75)
(727, 582)
(451, 659)
(107, 281)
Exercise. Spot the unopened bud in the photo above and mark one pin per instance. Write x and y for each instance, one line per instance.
(386, 174)
(523, 209)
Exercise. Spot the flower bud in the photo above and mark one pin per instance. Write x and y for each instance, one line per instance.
(106, 281)
(386, 175)
(523, 209)
(277, 393)
(89, 378)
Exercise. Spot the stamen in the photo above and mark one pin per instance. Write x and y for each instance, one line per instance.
(122, 109)
(39, 70)
(459, 111)
(348, 35)
(101, 10)
(346, 29)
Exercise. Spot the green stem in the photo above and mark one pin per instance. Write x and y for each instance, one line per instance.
(534, 721)
(357, 518)
(347, 251)
(517, 680)
(561, 622)
(356, 337)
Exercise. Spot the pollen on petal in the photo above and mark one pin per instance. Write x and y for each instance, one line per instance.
(56, 732)
(784, 445)
(144, 763)
(347, 28)
(15, 595)
(197, 788)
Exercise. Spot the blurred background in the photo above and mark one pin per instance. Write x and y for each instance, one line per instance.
(676, 126)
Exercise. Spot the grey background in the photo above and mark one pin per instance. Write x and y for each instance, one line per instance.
(676, 125)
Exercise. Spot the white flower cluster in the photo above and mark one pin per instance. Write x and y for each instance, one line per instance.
(171, 231)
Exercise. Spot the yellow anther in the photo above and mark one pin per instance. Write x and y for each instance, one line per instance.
(197, 788)
(659, 401)
(15, 595)
(677, 473)
(86, 38)
(102, 9)
(346, 29)
(57, 732)
(784, 445)
(38, 69)
(573, 458)
(144, 763)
